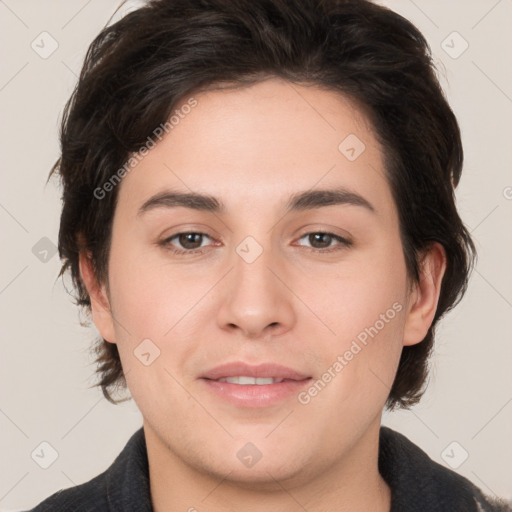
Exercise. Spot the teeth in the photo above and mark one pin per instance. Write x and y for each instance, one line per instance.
(245, 381)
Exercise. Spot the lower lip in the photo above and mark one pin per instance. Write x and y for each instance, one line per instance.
(254, 395)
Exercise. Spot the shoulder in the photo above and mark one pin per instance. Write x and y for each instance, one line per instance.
(419, 484)
(123, 486)
(88, 497)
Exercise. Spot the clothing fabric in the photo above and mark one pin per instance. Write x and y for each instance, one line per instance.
(417, 483)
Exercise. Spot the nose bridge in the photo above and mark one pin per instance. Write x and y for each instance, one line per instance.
(254, 284)
(255, 300)
(251, 268)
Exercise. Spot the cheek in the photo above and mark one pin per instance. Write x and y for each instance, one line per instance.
(165, 305)
(357, 296)
(365, 309)
(150, 295)
(157, 311)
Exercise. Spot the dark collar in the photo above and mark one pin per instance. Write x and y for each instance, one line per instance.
(417, 483)
(127, 480)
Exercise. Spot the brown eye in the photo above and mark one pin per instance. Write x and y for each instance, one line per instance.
(320, 240)
(187, 242)
(190, 240)
(325, 242)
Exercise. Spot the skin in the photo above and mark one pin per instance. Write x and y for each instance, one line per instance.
(252, 148)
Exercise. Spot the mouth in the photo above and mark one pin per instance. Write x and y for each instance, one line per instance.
(249, 386)
(244, 380)
(248, 374)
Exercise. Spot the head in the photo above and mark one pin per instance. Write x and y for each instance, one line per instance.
(251, 105)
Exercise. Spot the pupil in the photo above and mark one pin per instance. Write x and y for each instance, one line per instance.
(187, 240)
(191, 240)
(323, 238)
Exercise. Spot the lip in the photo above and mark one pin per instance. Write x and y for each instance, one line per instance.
(254, 395)
(236, 368)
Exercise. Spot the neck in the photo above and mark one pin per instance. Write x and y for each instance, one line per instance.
(353, 483)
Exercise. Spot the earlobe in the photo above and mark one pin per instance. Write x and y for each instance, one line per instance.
(100, 307)
(425, 295)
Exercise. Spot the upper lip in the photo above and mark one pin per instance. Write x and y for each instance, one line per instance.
(239, 368)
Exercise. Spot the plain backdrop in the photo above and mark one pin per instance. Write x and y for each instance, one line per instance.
(46, 372)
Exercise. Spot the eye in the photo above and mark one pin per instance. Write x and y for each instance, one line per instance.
(192, 242)
(323, 242)
(187, 242)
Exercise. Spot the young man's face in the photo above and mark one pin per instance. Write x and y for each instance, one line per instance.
(257, 287)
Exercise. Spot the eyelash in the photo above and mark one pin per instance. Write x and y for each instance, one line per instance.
(343, 243)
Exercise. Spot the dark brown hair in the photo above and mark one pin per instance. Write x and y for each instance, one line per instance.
(138, 69)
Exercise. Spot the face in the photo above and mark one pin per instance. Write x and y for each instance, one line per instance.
(286, 264)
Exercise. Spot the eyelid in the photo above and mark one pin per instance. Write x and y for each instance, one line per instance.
(167, 241)
(327, 229)
(183, 229)
(343, 242)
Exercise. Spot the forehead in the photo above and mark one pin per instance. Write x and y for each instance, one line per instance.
(257, 145)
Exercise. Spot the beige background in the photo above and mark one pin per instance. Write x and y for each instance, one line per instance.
(45, 369)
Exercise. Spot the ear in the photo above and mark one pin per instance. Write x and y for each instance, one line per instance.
(425, 295)
(100, 306)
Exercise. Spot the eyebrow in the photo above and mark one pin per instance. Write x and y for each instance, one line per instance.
(313, 199)
(300, 201)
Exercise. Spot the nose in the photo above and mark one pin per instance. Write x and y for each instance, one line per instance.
(256, 301)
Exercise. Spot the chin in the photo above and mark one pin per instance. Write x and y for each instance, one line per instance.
(263, 477)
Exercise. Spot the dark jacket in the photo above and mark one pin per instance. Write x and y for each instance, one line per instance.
(417, 483)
